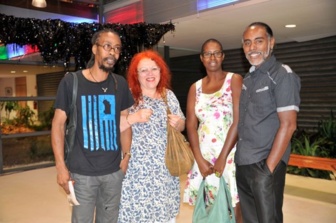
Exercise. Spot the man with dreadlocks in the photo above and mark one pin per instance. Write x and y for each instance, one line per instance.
(94, 166)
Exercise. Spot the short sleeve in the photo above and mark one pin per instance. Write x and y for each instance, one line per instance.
(174, 104)
(128, 100)
(287, 90)
(64, 93)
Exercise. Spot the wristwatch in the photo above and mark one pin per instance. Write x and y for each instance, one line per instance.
(127, 153)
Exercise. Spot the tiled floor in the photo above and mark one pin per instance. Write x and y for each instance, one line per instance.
(34, 197)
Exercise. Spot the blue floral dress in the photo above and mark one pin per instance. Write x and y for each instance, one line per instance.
(149, 193)
(215, 114)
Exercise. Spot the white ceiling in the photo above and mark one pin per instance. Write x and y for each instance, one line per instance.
(314, 19)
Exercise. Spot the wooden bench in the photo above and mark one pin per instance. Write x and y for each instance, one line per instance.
(313, 162)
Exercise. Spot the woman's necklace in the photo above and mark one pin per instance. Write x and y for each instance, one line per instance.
(104, 89)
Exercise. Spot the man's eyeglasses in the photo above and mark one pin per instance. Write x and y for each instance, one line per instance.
(108, 47)
(217, 54)
(145, 71)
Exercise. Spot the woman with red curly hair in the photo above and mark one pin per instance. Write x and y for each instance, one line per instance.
(149, 192)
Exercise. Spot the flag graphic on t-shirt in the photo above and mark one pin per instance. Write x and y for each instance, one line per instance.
(99, 122)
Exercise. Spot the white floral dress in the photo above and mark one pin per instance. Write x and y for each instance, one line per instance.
(215, 114)
(149, 193)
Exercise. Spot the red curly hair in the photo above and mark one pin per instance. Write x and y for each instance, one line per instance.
(132, 74)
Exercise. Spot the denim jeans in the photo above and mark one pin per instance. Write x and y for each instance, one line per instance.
(98, 196)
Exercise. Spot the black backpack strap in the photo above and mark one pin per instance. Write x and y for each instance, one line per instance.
(74, 92)
(72, 124)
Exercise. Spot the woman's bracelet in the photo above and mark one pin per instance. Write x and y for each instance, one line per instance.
(127, 153)
(127, 120)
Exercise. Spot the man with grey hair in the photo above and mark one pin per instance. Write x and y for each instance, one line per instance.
(268, 109)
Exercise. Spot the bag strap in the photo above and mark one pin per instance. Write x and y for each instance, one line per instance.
(74, 93)
(164, 97)
(72, 111)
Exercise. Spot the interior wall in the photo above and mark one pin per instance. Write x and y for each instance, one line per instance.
(162, 11)
(7, 87)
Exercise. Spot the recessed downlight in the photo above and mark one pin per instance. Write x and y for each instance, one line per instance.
(290, 26)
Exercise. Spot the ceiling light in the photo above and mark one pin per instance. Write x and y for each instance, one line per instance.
(13, 71)
(290, 26)
(39, 3)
